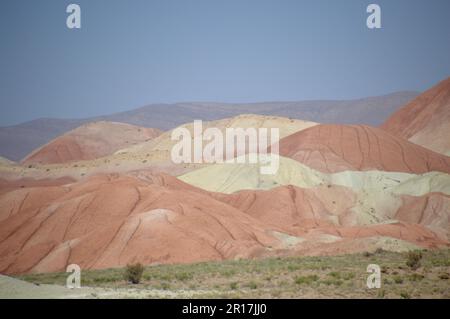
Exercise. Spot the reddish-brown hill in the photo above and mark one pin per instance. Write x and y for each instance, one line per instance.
(111, 220)
(334, 148)
(425, 120)
(91, 141)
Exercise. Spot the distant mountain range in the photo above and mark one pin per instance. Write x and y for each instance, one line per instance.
(19, 140)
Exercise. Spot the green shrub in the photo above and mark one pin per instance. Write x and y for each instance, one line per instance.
(165, 286)
(335, 282)
(335, 274)
(252, 285)
(348, 276)
(183, 276)
(306, 279)
(413, 259)
(444, 276)
(234, 285)
(405, 295)
(133, 273)
(293, 267)
(105, 279)
(416, 277)
(398, 280)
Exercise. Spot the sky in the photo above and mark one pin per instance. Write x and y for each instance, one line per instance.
(132, 53)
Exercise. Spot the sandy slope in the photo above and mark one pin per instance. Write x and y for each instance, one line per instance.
(11, 288)
(90, 141)
(425, 120)
(286, 127)
(5, 161)
(152, 155)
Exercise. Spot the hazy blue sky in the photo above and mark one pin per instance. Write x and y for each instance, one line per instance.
(132, 53)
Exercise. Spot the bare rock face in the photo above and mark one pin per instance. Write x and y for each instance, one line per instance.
(425, 120)
(90, 141)
(335, 148)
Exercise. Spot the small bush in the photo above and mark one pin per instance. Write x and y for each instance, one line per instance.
(348, 276)
(335, 274)
(293, 267)
(444, 276)
(306, 279)
(165, 286)
(228, 273)
(133, 273)
(398, 280)
(405, 295)
(105, 279)
(183, 276)
(234, 285)
(252, 285)
(413, 259)
(416, 277)
(335, 282)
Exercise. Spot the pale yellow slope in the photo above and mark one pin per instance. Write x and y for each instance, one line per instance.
(163, 143)
(5, 161)
(153, 155)
(229, 178)
(378, 193)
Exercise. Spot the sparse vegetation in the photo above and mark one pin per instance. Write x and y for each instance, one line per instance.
(405, 295)
(398, 279)
(183, 276)
(444, 276)
(416, 277)
(252, 285)
(289, 277)
(300, 280)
